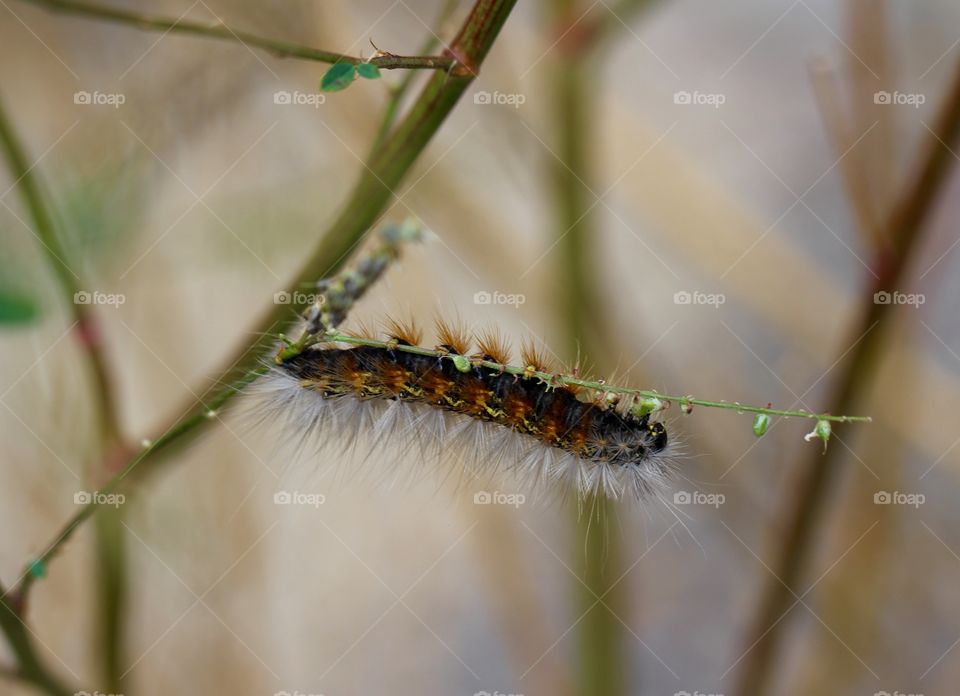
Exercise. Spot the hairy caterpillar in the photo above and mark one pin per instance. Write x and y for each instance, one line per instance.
(460, 414)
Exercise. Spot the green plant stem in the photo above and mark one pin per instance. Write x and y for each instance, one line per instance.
(556, 379)
(280, 49)
(88, 334)
(902, 235)
(113, 592)
(87, 328)
(597, 544)
(29, 667)
(365, 205)
(398, 93)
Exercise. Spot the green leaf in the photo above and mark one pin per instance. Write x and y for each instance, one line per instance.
(16, 308)
(368, 70)
(339, 76)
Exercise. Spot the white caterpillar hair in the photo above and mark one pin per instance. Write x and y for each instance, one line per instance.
(334, 404)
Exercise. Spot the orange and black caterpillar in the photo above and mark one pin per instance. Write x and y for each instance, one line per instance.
(489, 419)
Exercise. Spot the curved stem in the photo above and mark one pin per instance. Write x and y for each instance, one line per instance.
(86, 326)
(367, 202)
(29, 667)
(281, 49)
(86, 330)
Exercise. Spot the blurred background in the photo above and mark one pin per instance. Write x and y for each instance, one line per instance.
(695, 199)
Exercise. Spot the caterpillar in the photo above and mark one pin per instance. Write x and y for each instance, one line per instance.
(455, 412)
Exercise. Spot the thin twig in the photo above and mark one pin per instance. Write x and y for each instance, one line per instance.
(558, 380)
(86, 326)
(398, 93)
(280, 49)
(29, 666)
(363, 208)
(88, 334)
(336, 296)
(902, 235)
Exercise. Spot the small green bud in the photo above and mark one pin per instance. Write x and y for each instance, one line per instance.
(646, 406)
(760, 424)
(822, 431)
(461, 362)
(37, 568)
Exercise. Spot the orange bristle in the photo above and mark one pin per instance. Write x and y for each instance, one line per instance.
(363, 330)
(492, 346)
(535, 357)
(406, 333)
(453, 336)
